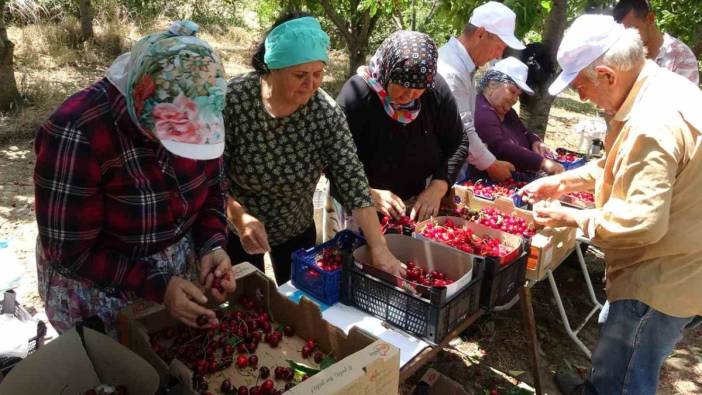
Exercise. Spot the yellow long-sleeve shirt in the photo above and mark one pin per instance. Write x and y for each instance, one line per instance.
(648, 192)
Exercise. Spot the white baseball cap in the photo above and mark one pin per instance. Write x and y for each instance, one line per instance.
(497, 19)
(588, 38)
(516, 70)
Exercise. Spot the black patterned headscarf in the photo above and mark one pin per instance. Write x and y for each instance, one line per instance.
(406, 58)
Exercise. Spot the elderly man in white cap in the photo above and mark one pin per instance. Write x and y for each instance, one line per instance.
(648, 202)
(488, 32)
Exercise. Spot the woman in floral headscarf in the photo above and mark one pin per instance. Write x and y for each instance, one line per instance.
(406, 126)
(128, 186)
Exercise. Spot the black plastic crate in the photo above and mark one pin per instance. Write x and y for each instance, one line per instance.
(501, 283)
(10, 306)
(431, 317)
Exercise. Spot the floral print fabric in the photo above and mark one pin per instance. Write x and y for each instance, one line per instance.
(405, 58)
(273, 164)
(69, 300)
(175, 90)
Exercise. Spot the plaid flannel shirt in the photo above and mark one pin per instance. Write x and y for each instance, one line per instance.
(107, 196)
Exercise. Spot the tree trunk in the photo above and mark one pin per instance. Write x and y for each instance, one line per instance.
(357, 57)
(534, 110)
(86, 20)
(9, 96)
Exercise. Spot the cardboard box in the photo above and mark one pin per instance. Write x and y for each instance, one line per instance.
(510, 241)
(364, 363)
(68, 365)
(435, 383)
(549, 247)
(426, 254)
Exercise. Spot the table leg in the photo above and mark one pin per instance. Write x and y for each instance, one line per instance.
(530, 327)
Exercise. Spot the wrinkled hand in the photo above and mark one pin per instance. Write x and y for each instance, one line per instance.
(385, 260)
(542, 149)
(428, 202)
(551, 166)
(387, 203)
(184, 300)
(253, 236)
(500, 170)
(546, 188)
(556, 216)
(216, 263)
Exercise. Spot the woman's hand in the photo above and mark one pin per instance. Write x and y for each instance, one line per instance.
(216, 263)
(551, 166)
(500, 170)
(429, 201)
(184, 300)
(252, 234)
(542, 149)
(556, 216)
(387, 203)
(383, 259)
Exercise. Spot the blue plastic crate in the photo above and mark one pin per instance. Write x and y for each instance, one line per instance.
(571, 165)
(321, 284)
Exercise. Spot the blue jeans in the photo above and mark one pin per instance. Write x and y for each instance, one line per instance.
(634, 341)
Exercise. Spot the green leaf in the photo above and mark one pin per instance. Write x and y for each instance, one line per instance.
(516, 373)
(235, 340)
(326, 362)
(546, 5)
(310, 371)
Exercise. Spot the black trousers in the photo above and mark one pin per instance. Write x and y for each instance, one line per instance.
(280, 254)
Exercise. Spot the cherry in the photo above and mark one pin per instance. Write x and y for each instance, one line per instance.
(318, 356)
(212, 366)
(251, 347)
(264, 372)
(310, 343)
(289, 330)
(253, 360)
(306, 351)
(202, 320)
(255, 390)
(241, 348)
(280, 373)
(243, 390)
(267, 386)
(228, 350)
(226, 386)
(242, 361)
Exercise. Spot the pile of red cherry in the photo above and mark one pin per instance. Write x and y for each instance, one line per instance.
(434, 278)
(504, 188)
(209, 350)
(401, 225)
(567, 157)
(464, 239)
(496, 219)
(330, 259)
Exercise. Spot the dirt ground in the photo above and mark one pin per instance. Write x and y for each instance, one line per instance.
(491, 357)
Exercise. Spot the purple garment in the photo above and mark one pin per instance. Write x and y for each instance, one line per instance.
(508, 140)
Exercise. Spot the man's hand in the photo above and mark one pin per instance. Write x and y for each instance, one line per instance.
(500, 170)
(216, 263)
(542, 149)
(545, 188)
(429, 201)
(252, 234)
(556, 216)
(387, 203)
(184, 302)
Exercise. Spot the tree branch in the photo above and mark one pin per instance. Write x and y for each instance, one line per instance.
(431, 13)
(337, 20)
(397, 18)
